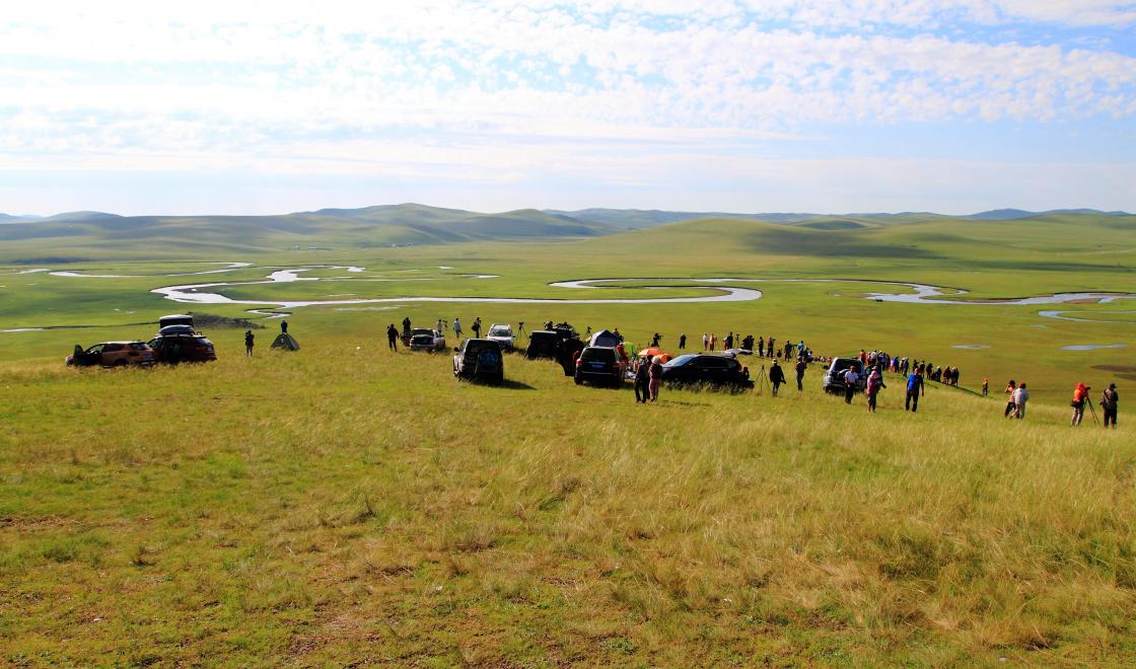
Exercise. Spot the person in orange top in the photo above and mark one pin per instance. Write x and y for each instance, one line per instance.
(1080, 396)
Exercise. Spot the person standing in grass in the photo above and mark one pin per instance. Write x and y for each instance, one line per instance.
(643, 381)
(915, 389)
(682, 342)
(655, 374)
(392, 337)
(985, 386)
(1021, 396)
(874, 385)
(776, 377)
(477, 327)
(761, 347)
(1080, 396)
(406, 326)
(250, 340)
(851, 379)
(1011, 388)
(458, 328)
(802, 365)
(713, 341)
(1110, 400)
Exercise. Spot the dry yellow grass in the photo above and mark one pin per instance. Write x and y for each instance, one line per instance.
(324, 508)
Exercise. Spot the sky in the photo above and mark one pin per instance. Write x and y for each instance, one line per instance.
(827, 106)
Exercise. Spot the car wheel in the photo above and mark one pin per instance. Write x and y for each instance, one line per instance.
(578, 381)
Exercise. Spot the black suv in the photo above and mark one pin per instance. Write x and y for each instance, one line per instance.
(834, 377)
(600, 364)
(706, 369)
(480, 359)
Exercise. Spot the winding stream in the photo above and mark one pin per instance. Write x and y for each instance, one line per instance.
(912, 293)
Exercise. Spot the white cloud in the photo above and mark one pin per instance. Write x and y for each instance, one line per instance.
(497, 87)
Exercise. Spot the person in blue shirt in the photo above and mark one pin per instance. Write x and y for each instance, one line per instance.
(915, 389)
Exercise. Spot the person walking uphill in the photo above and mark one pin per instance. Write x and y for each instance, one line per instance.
(1020, 396)
(1080, 396)
(802, 365)
(1110, 399)
(875, 384)
(776, 377)
(642, 382)
(250, 340)
(915, 389)
(851, 380)
(392, 337)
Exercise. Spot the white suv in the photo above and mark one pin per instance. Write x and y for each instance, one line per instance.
(501, 333)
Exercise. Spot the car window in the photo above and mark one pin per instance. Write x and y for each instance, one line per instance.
(598, 354)
(97, 348)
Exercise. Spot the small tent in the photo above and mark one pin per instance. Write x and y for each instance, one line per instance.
(605, 338)
(285, 342)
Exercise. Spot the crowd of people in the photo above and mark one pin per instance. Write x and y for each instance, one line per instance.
(647, 371)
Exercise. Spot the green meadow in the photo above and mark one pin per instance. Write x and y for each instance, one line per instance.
(346, 505)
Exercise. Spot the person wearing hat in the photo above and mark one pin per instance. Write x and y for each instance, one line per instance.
(1109, 401)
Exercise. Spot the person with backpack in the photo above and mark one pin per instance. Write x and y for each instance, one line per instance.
(851, 378)
(873, 387)
(915, 389)
(392, 337)
(1109, 401)
(1011, 388)
(802, 365)
(1080, 396)
(776, 377)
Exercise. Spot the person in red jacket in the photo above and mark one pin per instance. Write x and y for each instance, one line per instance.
(1080, 396)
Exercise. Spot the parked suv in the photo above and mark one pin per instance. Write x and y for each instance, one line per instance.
(425, 339)
(502, 334)
(172, 346)
(112, 354)
(834, 377)
(480, 359)
(706, 369)
(600, 364)
(542, 344)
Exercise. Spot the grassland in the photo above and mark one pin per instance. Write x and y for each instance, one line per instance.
(344, 506)
(347, 505)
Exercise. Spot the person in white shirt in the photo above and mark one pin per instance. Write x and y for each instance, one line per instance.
(1021, 396)
(851, 380)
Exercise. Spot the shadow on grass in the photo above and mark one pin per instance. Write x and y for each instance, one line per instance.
(507, 383)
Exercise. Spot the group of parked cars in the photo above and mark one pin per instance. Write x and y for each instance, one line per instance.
(177, 341)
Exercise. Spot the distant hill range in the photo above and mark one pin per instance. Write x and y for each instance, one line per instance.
(414, 224)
